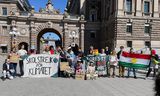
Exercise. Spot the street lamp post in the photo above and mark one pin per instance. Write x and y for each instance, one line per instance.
(13, 33)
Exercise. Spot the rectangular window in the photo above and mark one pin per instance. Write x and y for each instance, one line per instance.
(4, 49)
(92, 34)
(146, 7)
(129, 28)
(4, 30)
(147, 29)
(129, 5)
(129, 44)
(147, 44)
(4, 11)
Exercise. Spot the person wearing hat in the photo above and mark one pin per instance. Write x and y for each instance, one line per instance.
(153, 64)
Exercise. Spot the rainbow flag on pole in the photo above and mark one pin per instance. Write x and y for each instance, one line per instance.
(134, 60)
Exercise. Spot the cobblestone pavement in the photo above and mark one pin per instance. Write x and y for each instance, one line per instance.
(70, 87)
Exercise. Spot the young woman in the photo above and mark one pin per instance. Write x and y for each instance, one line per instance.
(113, 61)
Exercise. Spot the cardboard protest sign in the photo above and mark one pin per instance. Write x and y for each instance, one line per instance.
(41, 65)
(101, 65)
(14, 58)
(64, 66)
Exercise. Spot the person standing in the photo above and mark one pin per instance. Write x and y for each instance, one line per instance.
(91, 50)
(129, 69)
(51, 50)
(22, 53)
(46, 50)
(107, 59)
(153, 64)
(121, 68)
(113, 61)
(13, 56)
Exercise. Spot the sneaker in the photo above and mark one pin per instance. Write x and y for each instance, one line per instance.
(11, 77)
(135, 77)
(3, 78)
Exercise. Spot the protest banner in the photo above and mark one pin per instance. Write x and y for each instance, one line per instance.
(41, 65)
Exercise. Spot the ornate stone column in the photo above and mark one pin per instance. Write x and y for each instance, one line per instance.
(139, 8)
(82, 36)
(121, 7)
(156, 8)
(32, 35)
(65, 31)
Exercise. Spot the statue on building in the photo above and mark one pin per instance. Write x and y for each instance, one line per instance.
(49, 9)
(65, 13)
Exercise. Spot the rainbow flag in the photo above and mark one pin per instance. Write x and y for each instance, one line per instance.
(134, 60)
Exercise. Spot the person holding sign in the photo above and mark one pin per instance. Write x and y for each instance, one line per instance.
(129, 69)
(14, 58)
(23, 54)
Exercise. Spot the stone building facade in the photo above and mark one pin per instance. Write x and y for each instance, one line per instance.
(100, 23)
(31, 25)
(128, 23)
(134, 23)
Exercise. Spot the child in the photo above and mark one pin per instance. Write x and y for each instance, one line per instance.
(91, 73)
(8, 70)
(113, 61)
(79, 67)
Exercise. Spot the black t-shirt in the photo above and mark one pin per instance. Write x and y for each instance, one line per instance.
(118, 54)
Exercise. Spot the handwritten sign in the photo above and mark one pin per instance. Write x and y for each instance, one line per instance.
(41, 65)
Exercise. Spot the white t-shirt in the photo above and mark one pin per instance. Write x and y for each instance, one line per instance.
(22, 52)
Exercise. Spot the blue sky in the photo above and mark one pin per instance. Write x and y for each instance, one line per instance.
(58, 4)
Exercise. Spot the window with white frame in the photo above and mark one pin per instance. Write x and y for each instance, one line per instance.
(129, 27)
(129, 44)
(4, 30)
(4, 11)
(129, 5)
(4, 49)
(146, 7)
(147, 28)
(147, 44)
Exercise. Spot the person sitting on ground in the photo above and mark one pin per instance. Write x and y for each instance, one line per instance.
(8, 70)
(91, 72)
(79, 67)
